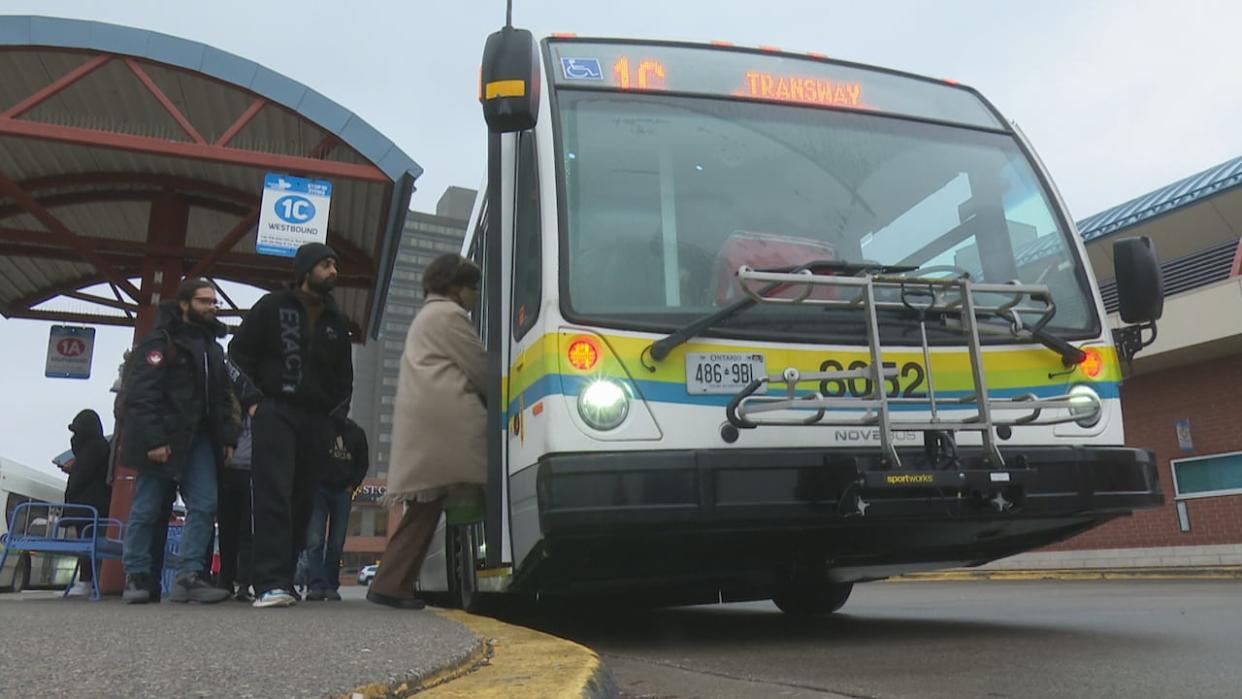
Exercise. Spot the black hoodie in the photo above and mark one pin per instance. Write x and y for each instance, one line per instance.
(88, 479)
(177, 384)
(311, 367)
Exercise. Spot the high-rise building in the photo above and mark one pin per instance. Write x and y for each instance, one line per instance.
(424, 238)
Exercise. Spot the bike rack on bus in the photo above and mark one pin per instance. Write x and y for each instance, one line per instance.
(922, 296)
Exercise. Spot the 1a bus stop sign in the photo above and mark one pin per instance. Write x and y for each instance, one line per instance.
(69, 351)
(294, 212)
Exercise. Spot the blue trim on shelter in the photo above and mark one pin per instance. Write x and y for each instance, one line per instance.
(54, 32)
(1214, 180)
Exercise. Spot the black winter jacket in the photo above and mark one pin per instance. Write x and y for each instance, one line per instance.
(176, 384)
(308, 367)
(88, 479)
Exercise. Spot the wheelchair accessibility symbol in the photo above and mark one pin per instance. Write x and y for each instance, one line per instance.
(581, 69)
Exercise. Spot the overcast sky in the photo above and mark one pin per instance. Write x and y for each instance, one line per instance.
(1119, 97)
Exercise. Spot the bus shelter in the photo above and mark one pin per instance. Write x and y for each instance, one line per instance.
(130, 159)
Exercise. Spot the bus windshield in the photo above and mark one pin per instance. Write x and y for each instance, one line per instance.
(666, 196)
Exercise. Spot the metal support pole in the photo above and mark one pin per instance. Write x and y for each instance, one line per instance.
(167, 225)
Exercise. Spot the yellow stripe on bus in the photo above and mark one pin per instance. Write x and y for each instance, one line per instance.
(506, 88)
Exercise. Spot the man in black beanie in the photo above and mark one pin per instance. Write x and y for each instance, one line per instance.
(294, 345)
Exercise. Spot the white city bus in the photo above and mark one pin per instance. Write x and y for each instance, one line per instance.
(763, 325)
(18, 484)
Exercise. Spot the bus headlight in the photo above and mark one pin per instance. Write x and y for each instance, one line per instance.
(603, 404)
(1085, 405)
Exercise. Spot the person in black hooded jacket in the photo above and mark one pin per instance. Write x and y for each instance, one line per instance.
(179, 429)
(88, 479)
(294, 344)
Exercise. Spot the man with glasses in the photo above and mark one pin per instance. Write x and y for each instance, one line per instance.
(294, 344)
(179, 428)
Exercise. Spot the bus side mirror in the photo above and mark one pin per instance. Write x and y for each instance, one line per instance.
(509, 83)
(1140, 288)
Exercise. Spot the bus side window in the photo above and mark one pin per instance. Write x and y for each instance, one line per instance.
(13, 501)
(527, 260)
(475, 255)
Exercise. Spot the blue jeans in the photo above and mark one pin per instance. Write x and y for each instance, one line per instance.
(198, 490)
(332, 510)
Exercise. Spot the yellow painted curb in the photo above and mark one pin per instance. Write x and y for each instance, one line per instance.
(1206, 573)
(386, 690)
(526, 663)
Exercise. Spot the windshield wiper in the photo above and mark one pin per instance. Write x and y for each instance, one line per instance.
(660, 348)
(1070, 355)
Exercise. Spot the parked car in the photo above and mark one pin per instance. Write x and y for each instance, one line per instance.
(366, 574)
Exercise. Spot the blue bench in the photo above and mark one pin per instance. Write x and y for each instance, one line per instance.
(64, 528)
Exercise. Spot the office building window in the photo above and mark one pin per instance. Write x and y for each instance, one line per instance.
(368, 521)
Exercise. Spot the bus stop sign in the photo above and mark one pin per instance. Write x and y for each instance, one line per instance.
(294, 212)
(69, 350)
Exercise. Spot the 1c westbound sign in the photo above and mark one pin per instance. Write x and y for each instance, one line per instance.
(294, 212)
(69, 351)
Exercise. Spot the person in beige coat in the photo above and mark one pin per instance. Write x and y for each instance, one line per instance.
(439, 433)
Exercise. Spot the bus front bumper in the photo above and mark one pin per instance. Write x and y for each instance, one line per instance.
(719, 520)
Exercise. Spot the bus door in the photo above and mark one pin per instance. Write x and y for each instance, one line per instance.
(526, 359)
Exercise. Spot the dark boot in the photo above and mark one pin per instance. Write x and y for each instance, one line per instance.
(136, 585)
(192, 587)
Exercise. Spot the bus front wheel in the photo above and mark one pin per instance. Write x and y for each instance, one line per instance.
(806, 599)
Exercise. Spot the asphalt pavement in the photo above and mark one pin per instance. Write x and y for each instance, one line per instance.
(932, 640)
(74, 647)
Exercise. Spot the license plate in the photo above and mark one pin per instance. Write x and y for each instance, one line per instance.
(722, 372)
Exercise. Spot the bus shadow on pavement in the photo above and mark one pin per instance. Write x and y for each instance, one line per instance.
(729, 625)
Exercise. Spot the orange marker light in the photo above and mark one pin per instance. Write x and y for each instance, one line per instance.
(564, 35)
(1092, 364)
(718, 42)
(583, 355)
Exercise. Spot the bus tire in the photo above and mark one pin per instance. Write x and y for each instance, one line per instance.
(801, 599)
(21, 574)
(461, 548)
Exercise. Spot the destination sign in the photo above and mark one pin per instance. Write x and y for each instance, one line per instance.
(769, 76)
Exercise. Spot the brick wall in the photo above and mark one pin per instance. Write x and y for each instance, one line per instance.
(1210, 395)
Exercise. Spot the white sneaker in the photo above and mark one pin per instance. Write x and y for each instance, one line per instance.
(80, 589)
(275, 598)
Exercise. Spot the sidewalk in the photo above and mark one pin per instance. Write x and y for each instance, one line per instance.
(75, 647)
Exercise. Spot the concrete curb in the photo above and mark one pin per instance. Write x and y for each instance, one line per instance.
(527, 663)
(509, 661)
(1183, 573)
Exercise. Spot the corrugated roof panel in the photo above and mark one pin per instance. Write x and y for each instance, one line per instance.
(26, 72)
(277, 130)
(119, 220)
(1186, 191)
(109, 99)
(68, 305)
(210, 106)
